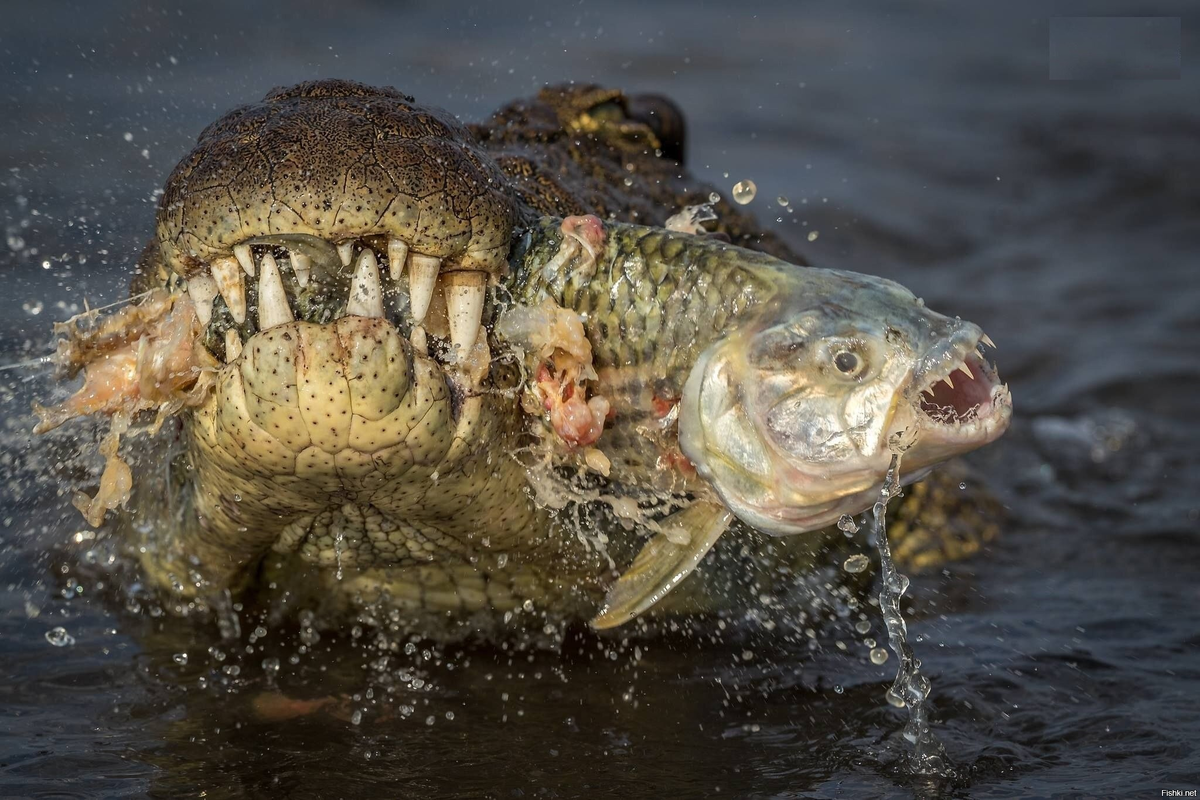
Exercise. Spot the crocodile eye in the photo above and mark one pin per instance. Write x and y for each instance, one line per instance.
(848, 363)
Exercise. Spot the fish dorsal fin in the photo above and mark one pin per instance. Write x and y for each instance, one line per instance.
(684, 538)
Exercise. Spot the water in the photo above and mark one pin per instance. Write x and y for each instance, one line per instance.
(911, 689)
(927, 146)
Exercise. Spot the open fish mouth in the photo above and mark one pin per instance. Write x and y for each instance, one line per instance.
(268, 281)
(959, 396)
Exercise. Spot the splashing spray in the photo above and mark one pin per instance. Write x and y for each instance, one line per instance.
(911, 689)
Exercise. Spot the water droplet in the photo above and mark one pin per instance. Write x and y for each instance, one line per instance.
(878, 655)
(430, 720)
(812, 235)
(270, 665)
(783, 201)
(846, 524)
(713, 197)
(33, 307)
(862, 626)
(744, 191)
(356, 717)
(962, 485)
(856, 563)
(59, 637)
(869, 642)
(180, 658)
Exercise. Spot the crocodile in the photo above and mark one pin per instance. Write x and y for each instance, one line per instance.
(446, 373)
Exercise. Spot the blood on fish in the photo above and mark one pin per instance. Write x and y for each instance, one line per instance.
(588, 230)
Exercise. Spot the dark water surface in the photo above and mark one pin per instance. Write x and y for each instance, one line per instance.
(926, 145)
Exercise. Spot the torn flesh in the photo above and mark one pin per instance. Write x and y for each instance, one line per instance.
(552, 338)
(146, 357)
(582, 240)
(691, 219)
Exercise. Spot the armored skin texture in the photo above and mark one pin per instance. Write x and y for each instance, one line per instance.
(391, 354)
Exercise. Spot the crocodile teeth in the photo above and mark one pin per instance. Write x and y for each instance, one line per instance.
(418, 340)
(965, 370)
(464, 306)
(301, 267)
(242, 253)
(202, 289)
(346, 252)
(422, 279)
(272, 301)
(397, 253)
(232, 286)
(233, 345)
(366, 295)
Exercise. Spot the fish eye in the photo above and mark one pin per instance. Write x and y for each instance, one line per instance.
(848, 363)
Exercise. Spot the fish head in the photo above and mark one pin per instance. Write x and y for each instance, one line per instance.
(793, 416)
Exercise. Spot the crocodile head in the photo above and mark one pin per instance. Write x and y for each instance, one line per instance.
(340, 246)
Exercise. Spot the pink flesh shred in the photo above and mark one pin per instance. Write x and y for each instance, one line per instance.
(145, 357)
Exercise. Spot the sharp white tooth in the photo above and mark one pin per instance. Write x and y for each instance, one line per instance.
(397, 254)
(464, 306)
(242, 253)
(202, 289)
(965, 370)
(346, 252)
(988, 341)
(422, 278)
(233, 345)
(946, 380)
(232, 286)
(417, 337)
(272, 301)
(301, 266)
(366, 295)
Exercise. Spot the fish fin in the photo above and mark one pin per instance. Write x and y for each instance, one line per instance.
(664, 561)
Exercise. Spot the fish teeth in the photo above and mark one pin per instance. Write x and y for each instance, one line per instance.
(965, 370)
(422, 279)
(231, 283)
(202, 289)
(233, 345)
(244, 257)
(464, 305)
(397, 253)
(301, 266)
(988, 341)
(273, 306)
(946, 380)
(366, 294)
(346, 252)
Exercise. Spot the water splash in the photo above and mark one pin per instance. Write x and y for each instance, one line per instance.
(911, 689)
(744, 191)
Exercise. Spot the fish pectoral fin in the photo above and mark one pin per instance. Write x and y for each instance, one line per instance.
(670, 556)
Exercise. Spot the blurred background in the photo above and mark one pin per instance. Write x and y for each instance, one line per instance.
(1011, 163)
